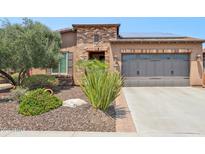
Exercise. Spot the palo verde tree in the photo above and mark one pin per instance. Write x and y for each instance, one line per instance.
(25, 46)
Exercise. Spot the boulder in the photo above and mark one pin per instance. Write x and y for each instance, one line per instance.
(74, 102)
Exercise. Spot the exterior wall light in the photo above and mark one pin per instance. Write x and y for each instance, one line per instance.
(198, 57)
(115, 58)
(116, 64)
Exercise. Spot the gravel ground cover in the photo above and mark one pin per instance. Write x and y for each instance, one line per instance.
(82, 118)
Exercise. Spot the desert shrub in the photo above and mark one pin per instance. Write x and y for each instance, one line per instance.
(38, 101)
(18, 92)
(40, 81)
(101, 88)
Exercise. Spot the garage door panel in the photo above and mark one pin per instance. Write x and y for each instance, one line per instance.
(167, 67)
(178, 68)
(156, 69)
(149, 68)
(142, 67)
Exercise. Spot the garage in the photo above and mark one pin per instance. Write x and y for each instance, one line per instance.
(156, 69)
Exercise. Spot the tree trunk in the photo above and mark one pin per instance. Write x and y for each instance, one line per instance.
(19, 77)
(23, 76)
(9, 77)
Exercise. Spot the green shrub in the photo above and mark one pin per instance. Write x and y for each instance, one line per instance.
(101, 88)
(40, 81)
(18, 92)
(92, 65)
(38, 101)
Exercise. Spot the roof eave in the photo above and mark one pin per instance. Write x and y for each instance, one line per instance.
(65, 30)
(94, 25)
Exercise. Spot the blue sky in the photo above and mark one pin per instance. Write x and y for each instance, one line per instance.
(194, 27)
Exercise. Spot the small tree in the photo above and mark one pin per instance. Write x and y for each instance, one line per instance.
(25, 46)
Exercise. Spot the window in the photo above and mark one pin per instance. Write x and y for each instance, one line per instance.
(64, 65)
(96, 38)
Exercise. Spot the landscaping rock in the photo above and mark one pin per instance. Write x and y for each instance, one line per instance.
(81, 118)
(74, 102)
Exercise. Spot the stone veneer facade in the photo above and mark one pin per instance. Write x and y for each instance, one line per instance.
(85, 43)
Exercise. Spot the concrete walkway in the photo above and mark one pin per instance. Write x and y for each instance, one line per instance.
(124, 121)
(167, 111)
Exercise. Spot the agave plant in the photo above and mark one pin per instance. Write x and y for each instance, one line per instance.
(101, 88)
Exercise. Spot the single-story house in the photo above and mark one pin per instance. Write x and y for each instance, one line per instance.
(143, 59)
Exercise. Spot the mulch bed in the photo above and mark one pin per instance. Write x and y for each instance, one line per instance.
(82, 118)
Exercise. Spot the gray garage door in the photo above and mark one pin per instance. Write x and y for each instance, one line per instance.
(156, 69)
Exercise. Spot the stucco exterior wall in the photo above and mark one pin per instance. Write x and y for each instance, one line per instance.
(69, 39)
(196, 66)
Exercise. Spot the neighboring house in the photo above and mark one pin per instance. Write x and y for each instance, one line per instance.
(143, 59)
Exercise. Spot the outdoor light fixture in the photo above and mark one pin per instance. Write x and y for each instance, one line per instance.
(198, 57)
(116, 61)
(115, 57)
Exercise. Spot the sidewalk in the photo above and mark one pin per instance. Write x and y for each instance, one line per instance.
(89, 134)
(63, 134)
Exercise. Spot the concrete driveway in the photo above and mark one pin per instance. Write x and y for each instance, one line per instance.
(167, 111)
